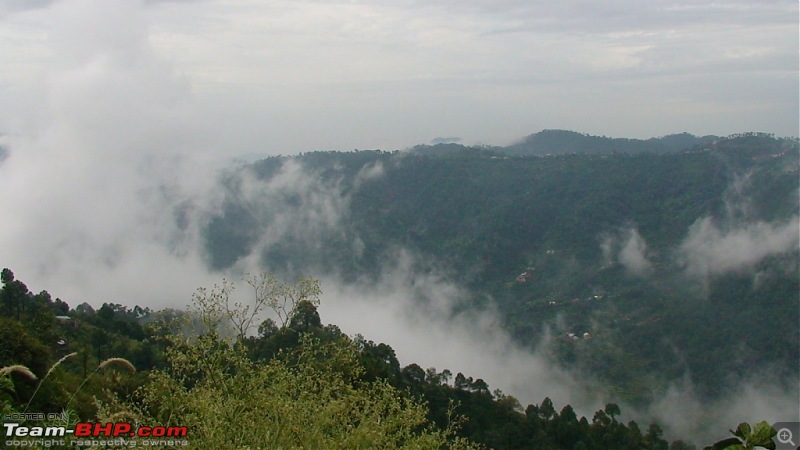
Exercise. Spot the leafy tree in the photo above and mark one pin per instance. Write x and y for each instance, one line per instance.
(304, 317)
(413, 374)
(653, 439)
(13, 295)
(21, 347)
(547, 411)
(612, 409)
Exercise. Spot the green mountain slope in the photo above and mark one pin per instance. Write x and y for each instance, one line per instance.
(661, 257)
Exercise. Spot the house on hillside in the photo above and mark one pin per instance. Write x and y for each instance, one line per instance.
(525, 276)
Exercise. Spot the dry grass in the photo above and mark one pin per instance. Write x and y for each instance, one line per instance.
(22, 370)
(119, 361)
(53, 367)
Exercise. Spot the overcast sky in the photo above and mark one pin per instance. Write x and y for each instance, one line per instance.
(291, 76)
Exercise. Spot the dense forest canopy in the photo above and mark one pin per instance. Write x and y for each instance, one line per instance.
(646, 252)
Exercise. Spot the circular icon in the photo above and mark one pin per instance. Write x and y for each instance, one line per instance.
(785, 436)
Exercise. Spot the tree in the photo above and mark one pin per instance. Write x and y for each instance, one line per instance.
(653, 440)
(414, 374)
(85, 308)
(13, 295)
(20, 347)
(378, 361)
(106, 313)
(294, 402)
(304, 316)
(547, 411)
(601, 419)
(267, 328)
(481, 386)
(217, 309)
(61, 307)
(612, 409)
(461, 381)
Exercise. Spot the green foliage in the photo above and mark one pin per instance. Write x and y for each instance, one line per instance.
(747, 438)
(307, 399)
(48, 345)
(6, 395)
(20, 347)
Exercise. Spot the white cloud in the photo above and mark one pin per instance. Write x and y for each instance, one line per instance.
(629, 249)
(295, 204)
(683, 415)
(710, 250)
(416, 314)
(369, 172)
(101, 165)
(632, 255)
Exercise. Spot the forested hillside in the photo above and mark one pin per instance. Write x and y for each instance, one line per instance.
(658, 259)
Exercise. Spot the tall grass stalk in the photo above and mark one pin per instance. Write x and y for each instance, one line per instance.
(52, 368)
(118, 361)
(22, 370)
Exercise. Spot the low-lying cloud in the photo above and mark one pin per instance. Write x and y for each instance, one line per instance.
(629, 249)
(710, 250)
(682, 415)
(418, 315)
(295, 206)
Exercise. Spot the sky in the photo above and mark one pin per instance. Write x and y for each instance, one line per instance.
(283, 77)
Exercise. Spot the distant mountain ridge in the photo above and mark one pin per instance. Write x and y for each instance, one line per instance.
(565, 142)
(560, 142)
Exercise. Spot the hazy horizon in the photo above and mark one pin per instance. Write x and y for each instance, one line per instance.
(289, 77)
